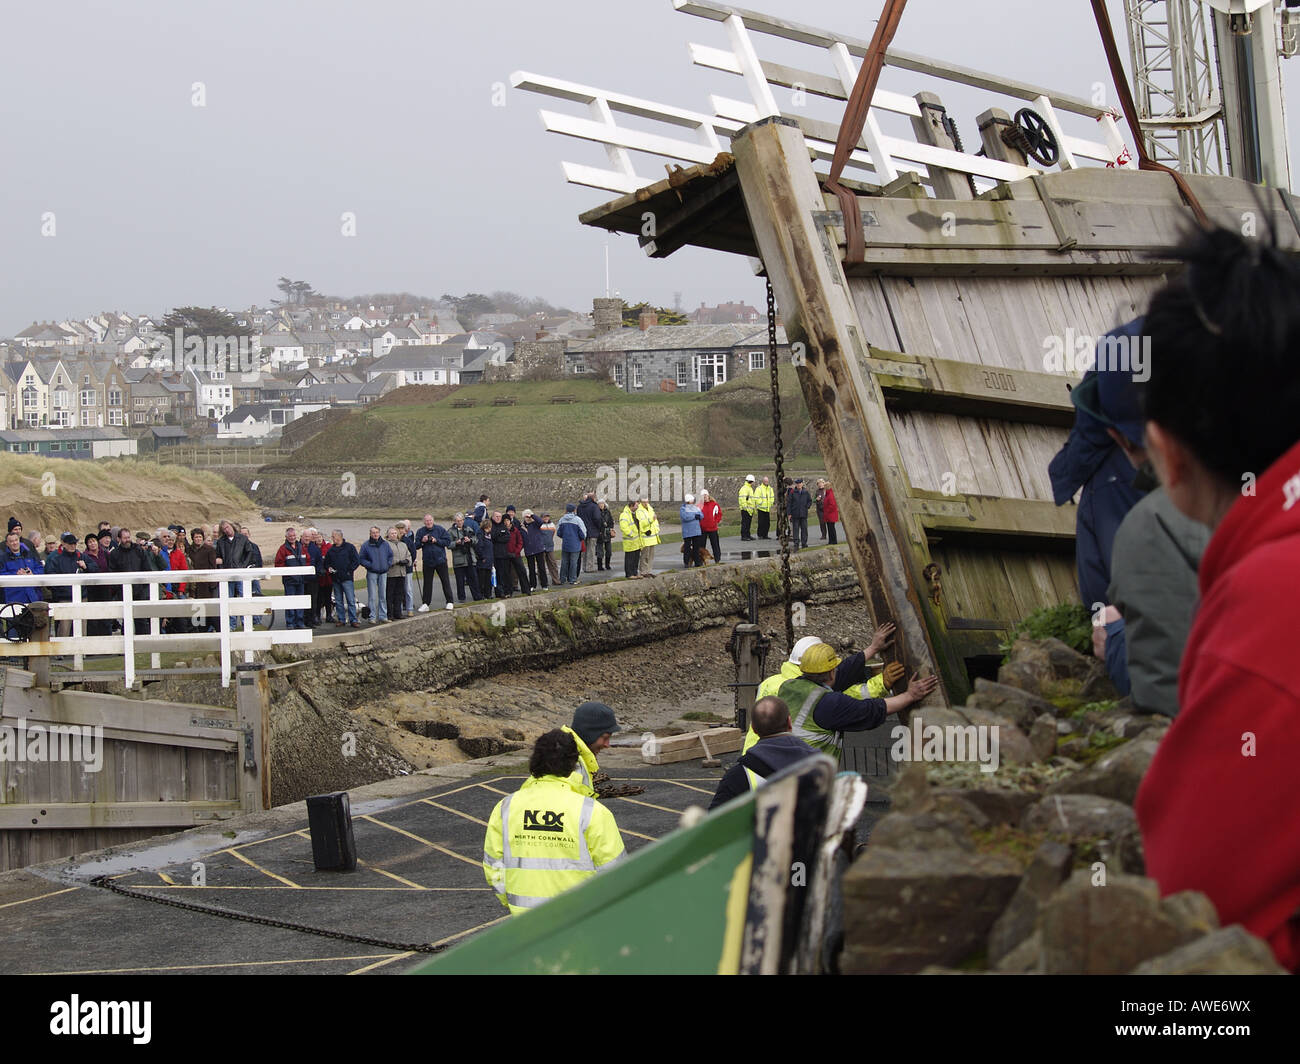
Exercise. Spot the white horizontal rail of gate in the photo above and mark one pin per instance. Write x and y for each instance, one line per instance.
(221, 608)
(878, 157)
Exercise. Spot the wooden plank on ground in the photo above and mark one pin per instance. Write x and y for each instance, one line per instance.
(673, 748)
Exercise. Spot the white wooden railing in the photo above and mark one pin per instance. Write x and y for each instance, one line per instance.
(879, 157)
(221, 608)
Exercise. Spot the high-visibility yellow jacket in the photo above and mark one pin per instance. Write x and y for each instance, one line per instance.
(627, 524)
(747, 497)
(587, 768)
(764, 496)
(873, 688)
(544, 839)
(649, 525)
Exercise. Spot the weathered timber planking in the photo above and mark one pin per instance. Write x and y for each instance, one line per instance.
(64, 815)
(846, 407)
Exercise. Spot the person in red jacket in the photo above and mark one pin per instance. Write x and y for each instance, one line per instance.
(1219, 806)
(710, 522)
(830, 510)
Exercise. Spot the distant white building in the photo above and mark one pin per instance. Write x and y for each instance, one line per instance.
(418, 364)
(256, 421)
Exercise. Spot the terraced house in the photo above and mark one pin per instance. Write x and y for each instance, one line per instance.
(691, 358)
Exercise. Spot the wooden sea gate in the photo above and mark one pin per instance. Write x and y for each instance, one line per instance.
(82, 769)
(937, 370)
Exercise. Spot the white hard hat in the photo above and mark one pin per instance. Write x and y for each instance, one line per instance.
(750, 477)
(797, 653)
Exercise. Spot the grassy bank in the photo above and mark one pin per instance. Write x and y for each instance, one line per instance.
(728, 427)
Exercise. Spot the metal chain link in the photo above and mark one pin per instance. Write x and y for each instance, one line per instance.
(783, 519)
(106, 883)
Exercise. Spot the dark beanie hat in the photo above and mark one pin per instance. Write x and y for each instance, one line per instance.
(14, 523)
(591, 720)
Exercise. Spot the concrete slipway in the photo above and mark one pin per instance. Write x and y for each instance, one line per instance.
(419, 880)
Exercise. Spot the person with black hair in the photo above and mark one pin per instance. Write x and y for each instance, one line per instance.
(1219, 806)
(547, 837)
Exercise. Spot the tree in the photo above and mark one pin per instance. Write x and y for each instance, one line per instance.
(632, 314)
(600, 364)
(203, 321)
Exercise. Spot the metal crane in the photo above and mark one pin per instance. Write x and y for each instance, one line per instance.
(1216, 110)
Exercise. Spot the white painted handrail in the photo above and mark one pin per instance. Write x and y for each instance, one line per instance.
(222, 606)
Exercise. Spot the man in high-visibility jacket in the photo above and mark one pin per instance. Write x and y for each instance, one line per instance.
(631, 531)
(850, 677)
(593, 726)
(746, 507)
(764, 497)
(547, 838)
(648, 523)
(821, 714)
(776, 749)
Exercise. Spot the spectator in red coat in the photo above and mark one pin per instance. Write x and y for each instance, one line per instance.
(830, 510)
(1219, 807)
(710, 522)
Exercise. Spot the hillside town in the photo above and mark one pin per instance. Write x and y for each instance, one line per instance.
(120, 384)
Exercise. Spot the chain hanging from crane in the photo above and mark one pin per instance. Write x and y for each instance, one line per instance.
(782, 515)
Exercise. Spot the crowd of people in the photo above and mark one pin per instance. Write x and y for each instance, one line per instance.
(487, 553)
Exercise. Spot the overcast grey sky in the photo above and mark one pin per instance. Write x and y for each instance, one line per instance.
(385, 109)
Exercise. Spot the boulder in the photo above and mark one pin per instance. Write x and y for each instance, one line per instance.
(905, 909)
(1192, 911)
(513, 734)
(1042, 737)
(999, 806)
(1097, 686)
(955, 808)
(909, 790)
(919, 831)
(1230, 951)
(1013, 745)
(1049, 868)
(1105, 930)
(1024, 958)
(1087, 817)
(1025, 675)
(1116, 775)
(1021, 706)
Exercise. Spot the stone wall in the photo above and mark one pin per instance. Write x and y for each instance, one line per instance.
(1038, 866)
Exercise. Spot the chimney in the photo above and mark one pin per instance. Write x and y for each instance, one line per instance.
(647, 318)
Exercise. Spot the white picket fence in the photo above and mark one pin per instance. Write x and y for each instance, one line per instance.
(156, 608)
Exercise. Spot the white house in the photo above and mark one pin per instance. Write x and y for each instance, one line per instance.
(418, 364)
(213, 395)
(256, 421)
(281, 350)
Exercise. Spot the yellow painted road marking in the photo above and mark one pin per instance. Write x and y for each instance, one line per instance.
(494, 790)
(440, 942)
(679, 783)
(629, 831)
(426, 842)
(651, 805)
(449, 809)
(51, 894)
(254, 864)
(224, 964)
(167, 879)
(380, 964)
(390, 875)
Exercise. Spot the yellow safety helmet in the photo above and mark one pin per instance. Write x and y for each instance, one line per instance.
(818, 659)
